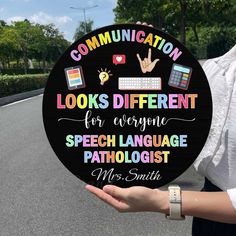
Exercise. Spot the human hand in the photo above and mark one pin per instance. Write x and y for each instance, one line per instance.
(133, 199)
(147, 65)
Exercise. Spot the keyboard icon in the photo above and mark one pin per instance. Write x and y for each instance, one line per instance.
(140, 83)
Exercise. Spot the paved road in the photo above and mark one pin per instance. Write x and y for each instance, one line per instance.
(39, 196)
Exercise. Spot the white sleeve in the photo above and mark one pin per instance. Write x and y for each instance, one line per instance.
(232, 195)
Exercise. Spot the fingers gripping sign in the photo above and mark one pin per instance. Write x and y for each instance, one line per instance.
(147, 65)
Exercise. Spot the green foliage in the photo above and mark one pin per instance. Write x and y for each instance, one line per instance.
(20, 71)
(49, 44)
(12, 84)
(83, 28)
(24, 40)
(213, 41)
(207, 27)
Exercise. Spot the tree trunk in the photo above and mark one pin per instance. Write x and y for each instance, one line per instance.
(194, 28)
(8, 63)
(160, 22)
(25, 59)
(25, 64)
(44, 65)
(17, 63)
(183, 7)
(3, 64)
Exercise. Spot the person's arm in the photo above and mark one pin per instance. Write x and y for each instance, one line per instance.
(214, 206)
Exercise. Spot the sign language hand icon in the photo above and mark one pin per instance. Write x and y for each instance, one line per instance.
(147, 65)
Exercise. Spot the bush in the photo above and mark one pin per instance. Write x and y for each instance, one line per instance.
(12, 84)
(15, 71)
(213, 41)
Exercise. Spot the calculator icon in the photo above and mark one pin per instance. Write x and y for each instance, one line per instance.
(180, 76)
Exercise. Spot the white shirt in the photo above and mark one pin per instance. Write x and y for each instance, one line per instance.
(217, 160)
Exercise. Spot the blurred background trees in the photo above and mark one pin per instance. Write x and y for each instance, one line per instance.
(83, 28)
(206, 27)
(27, 45)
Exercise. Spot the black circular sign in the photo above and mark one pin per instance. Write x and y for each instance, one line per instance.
(127, 105)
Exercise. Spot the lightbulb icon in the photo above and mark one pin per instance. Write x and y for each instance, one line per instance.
(104, 75)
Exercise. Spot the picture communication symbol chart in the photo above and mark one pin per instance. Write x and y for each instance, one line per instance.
(127, 105)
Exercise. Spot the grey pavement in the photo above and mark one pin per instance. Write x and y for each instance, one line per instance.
(39, 196)
(20, 96)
